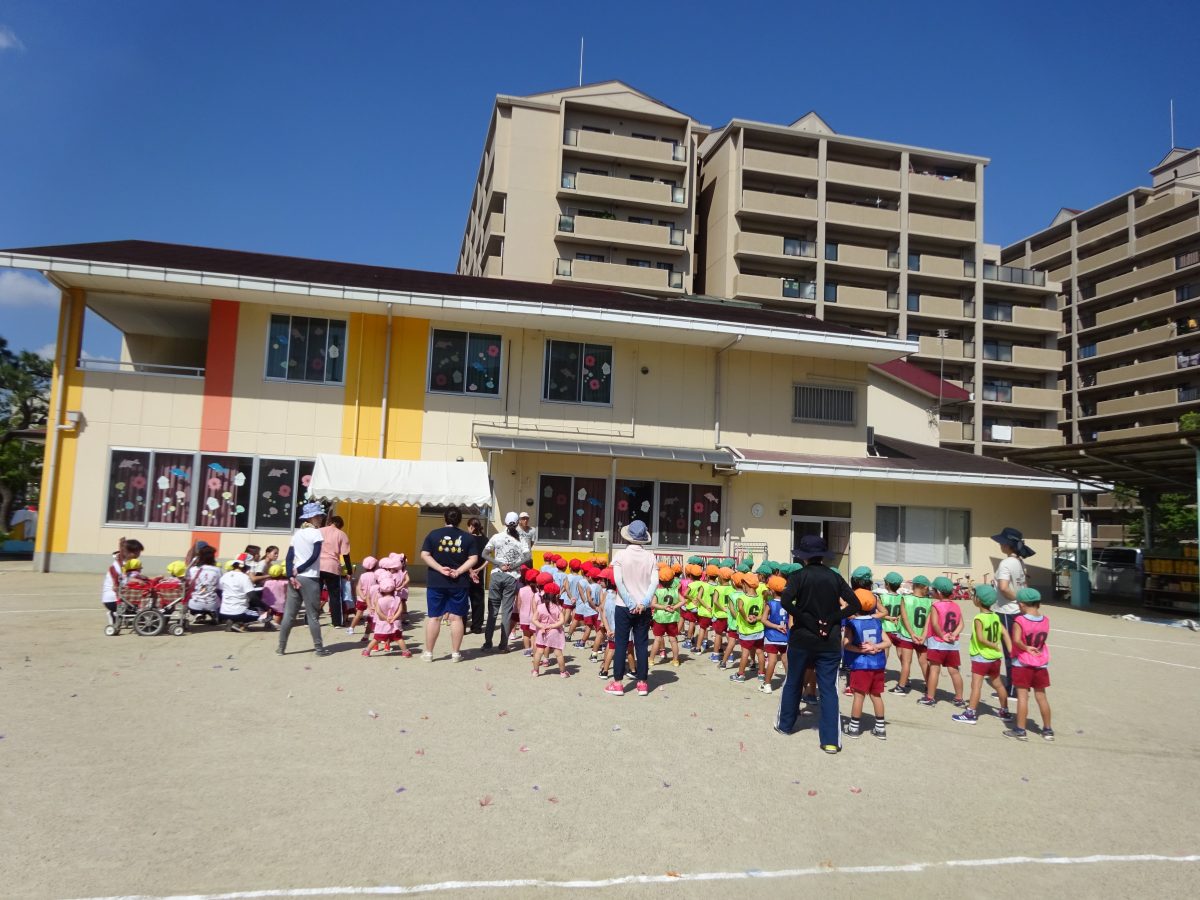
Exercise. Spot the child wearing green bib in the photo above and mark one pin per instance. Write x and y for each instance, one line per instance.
(988, 643)
(911, 630)
(750, 625)
(664, 614)
(890, 604)
(720, 603)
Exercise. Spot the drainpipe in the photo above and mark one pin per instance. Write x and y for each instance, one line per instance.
(46, 502)
(717, 391)
(487, 513)
(383, 409)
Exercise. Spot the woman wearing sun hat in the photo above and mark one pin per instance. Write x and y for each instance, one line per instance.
(635, 574)
(1010, 578)
(304, 578)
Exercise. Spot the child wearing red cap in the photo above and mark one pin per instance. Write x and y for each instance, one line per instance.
(549, 619)
(587, 603)
(526, 596)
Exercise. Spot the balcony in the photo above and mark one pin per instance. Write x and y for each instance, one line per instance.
(862, 216)
(945, 266)
(1139, 309)
(1138, 276)
(931, 348)
(619, 146)
(750, 243)
(956, 432)
(862, 176)
(1013, 275)
(1170, 234)
(1116, 434)
(1161, 205)
(1036, 398)
(1037, 437)
(628, 191)
(944, 188)
(853, 297)
(617, 276)
(495, 223)
(1137, 403)
(1037, 357)
(941, 226)
(779, 205)
(772, 163)
(767, 287)
(493, 267)
(1125, 343)
(1152, 368)
(1051, 251)
(1036, 317)
(125, 367)
(1108, 227)
(871, 257)
(1104, 258)
(943, 307)
(613, 232)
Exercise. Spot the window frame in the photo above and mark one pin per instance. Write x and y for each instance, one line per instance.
(429, 389)
(194, 492)
(901, 541)
(852, 390)
(656, 512)
(345, 323)
(582, 352)
(605, 525)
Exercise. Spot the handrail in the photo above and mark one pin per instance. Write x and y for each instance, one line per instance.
(134, 368)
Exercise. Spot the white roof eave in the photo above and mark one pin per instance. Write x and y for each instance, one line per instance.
(923, 476)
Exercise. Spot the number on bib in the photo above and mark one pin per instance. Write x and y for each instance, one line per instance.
(919, 617)
(950, 622)
(1037, 641)
(993, 632)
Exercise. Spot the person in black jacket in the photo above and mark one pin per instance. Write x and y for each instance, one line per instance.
(817, 599)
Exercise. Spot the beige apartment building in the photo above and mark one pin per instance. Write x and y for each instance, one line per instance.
(1130, 275)
(873, 235)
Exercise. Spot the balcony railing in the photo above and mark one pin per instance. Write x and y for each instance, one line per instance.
(799, 290)
(1012, 275)
(136, 368)
(1188, 395)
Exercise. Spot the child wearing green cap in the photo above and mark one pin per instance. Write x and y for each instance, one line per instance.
(941, 642)
(890, 603)
(910, 635)
(1031, 661)
(989, 640)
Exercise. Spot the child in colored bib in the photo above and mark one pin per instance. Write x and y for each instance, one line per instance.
(775, 631)
(1031, 662)
(988, 643)
(526, 598)
(720, 621)
(665, 618)
(865, 643)
(362, 596)
(941, 642)
(703, 591)
(750, 626)
(687, 613)
(386, 608)
(549, 619)
(890, 604)
(910, 633)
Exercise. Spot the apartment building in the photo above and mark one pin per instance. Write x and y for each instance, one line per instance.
(588, 186)
(886, 238)
(242, 374)
(1130, 274)
(578, 186)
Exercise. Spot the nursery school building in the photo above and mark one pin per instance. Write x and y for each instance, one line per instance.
(727, 427)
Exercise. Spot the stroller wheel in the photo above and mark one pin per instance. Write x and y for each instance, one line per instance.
(178, 631)
(111, 630)
(149, 623)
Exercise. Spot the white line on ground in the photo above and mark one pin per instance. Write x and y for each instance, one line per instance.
(36, 611)
(1161, 662)
(1121, 637)
(435, 887)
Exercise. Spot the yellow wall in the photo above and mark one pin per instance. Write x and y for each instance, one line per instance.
(55, 522)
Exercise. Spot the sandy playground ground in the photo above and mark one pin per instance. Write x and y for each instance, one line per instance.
(207, 765)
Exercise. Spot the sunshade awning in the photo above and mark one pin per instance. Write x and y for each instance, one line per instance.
(400, 482)
(1162, 462)
(597, 448)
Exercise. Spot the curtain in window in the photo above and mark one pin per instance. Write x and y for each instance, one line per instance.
(887, 534)
(589, 508)
(562, 371)
(705, 515)
(127, 484)
(446, 361)
(554, 508)
(674, 514)
(958, 537)
(924, 535)
(224, 492)
(276, 493)
(171, 490)
(635, 500)
(595, 384)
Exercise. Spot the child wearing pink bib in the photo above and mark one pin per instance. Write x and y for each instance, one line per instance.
(1031, 661)
(362, 596)
(525, 600)
(386, 606)
(549, 622)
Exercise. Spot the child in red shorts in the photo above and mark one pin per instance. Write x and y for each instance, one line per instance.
(526, 598)
(941, 642)
(865, 644)
(989, 641)
(1031, 662)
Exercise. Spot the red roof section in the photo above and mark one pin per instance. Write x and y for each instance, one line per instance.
(925, 382)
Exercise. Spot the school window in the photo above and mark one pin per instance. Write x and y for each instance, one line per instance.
(570, 508)
(577, 373)
(462, 362)
(922, 536)
(823, 404)
(214, 491)
(302, 348)
(676, 514)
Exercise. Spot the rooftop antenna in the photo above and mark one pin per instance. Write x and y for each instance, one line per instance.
(1172, 118)
(581, 85)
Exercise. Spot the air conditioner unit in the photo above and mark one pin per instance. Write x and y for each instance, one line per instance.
(600, 542)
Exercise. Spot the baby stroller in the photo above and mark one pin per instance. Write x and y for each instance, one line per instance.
(150, 607)
(133, 596)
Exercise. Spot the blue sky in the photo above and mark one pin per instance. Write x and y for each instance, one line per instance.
(353, 131)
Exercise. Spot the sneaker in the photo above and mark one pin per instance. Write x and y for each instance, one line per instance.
(926, 701)
(658, 661)
(527, 653)
(880, 732)
(967, 717)
(712, 657)
(367, 652)
(269, 626)
(322, 651)
(675, 663)
(238, 627)
(851, 730)
(960, 702)
(535, 672)
(686, 645)
(643, 689)
(737, 677)
(831, 748)
(1002, 714)
(900, 689)
(615, 689)
(456, 657)
(765, 688)
(847, 692)
(349, 631)
(722, 665)
(579, 645)
(564, 674)
(812, 698)
(279, 651)
(407, 654)
(779, 730)
(1019, 733)
(427, 656)
(761, 677)
(593, 657)
(1047, 734)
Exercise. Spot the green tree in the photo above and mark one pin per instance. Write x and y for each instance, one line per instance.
(24, 406)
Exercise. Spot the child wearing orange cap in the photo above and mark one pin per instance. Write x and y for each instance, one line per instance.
(549, 618)
(750, 625)
(776, 625)
(664, 610)
(865, 643)
(720, 605)
(733, 602)
(702, 591)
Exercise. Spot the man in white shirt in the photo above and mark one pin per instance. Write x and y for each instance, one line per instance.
(527, 536)
(304, 578)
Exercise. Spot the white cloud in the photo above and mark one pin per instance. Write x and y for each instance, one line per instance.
(9, 40)
(46, 351)
(21, 289)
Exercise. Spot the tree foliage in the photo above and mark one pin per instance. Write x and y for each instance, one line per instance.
(24, 406)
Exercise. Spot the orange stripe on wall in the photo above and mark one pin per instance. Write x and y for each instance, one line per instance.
(219, 362)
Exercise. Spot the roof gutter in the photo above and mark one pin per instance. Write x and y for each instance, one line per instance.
(925, 476)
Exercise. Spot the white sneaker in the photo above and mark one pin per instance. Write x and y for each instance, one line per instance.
(765, 688)
(349, 631)
(456, 657)
(427, 656)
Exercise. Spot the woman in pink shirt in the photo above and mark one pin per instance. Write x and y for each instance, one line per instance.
(634, 571)
(335, 553)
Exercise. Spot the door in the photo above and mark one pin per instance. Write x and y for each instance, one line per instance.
(836, 533)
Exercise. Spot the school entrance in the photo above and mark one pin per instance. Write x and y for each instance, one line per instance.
(828, 519)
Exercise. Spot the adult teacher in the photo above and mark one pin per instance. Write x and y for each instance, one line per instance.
(817, 598)
(1010, 578)
(335, 554)
(449, 552)
(506, 553)
(475, 591)
(635, 574)
(304, 578)
(527, 536)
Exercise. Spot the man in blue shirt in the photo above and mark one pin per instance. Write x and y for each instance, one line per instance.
(449, 553)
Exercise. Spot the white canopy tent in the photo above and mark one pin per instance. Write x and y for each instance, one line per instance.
(400, 482)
